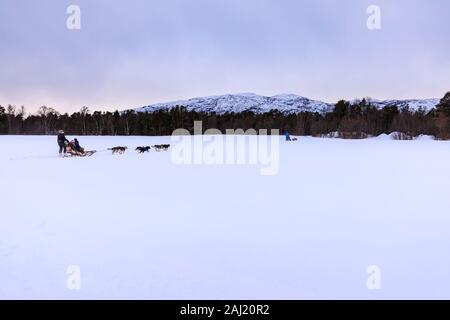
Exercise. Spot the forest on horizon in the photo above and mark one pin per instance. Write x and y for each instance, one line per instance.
(350, 120)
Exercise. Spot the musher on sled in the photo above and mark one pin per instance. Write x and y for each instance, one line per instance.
(72, 148)
(62, 142)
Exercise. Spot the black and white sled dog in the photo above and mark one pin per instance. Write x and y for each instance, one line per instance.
(119, 150)
(161, 147)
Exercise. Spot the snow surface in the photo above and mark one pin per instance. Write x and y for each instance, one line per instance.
(285, 103)
(142, 227)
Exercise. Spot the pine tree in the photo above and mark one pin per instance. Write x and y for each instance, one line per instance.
(3, 121)
(444, 104)
(341, 108)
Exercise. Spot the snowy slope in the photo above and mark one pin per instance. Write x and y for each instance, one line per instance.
(412, 104)
(141, 227)
(285, 103)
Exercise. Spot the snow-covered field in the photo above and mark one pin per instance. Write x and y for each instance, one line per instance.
(139, 226)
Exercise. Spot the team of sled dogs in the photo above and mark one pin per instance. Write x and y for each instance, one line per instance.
(157, 147)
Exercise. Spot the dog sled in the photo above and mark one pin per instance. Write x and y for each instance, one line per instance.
(71, 152)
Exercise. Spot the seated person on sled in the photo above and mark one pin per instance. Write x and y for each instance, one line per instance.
(75, 148)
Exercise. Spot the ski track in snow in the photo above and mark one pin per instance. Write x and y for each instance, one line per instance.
(141, 227)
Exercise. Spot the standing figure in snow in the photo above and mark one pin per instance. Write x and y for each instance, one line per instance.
(62, 140)
(288, 137)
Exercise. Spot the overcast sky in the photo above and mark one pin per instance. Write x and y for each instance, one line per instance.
(137, 52)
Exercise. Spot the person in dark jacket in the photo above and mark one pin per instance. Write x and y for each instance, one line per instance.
(77, 146)
(62, 140)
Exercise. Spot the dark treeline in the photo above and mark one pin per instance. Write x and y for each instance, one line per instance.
(355, 120)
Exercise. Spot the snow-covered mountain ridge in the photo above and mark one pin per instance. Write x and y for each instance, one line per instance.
(285, 103)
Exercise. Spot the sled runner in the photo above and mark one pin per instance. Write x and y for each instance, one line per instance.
(73, 153)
